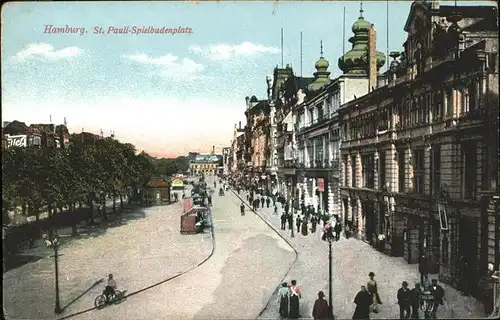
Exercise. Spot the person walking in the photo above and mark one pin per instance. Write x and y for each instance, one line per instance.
(372, 288)
(268, 201)
(320, 309)
(363, 300)
(283, 221)
(287, 208)
(423, 269)
(338, 230)
(404, 297)
(295, 295)
(305, 224)
(415, 300)
(262, 201)
(297, 224)
(314, 223)
(290, 222)
(438, 294)
(283, 299)
(242, 208)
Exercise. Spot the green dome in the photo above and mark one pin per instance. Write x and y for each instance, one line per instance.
(322, 64)
(361, 25)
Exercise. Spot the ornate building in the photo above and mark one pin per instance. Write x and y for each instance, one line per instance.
(206, 164)
(420, 154)
(257, 133)
(317, 123)
(236, 155)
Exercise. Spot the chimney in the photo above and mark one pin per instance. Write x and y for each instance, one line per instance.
(213, 149)
(239, 125)
(372, 58)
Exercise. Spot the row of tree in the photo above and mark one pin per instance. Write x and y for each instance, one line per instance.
(47, 179)
(170, 166)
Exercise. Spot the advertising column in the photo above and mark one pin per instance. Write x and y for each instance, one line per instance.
(321, 188)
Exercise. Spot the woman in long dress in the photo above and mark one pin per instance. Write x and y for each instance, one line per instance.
(372, 288)
(295, 295)
(283, 296)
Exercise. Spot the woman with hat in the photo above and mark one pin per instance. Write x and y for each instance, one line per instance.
(372, 288)
(283, 296)
(320, 310)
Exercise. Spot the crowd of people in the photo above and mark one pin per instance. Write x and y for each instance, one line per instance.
(367, 300)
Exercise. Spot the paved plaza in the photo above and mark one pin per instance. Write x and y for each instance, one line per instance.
(352, 261)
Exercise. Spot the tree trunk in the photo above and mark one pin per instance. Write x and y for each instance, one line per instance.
(114, 202)
(49, 210)
(24, 208)
(103, 205)
(121, 202)
(74, 230)
(91, 209)
(80, 204)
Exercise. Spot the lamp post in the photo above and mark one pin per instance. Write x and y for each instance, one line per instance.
(330, 238)
(53, 241)
(426, 301)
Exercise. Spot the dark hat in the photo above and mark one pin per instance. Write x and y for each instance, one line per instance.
(321, 294)
(371, 274)
(284, 284)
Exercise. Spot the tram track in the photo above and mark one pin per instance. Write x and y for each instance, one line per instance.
(279, 235)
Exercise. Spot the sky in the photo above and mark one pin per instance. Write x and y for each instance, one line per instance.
(168, 94)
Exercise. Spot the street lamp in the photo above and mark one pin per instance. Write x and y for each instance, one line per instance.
(53, 241)
(426, 301)
(330, 238)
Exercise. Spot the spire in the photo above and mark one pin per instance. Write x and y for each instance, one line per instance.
(322, 75)
(321, 50)
(361, 9)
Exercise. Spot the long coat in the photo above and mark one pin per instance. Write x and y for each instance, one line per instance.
(363, 300)
(320, 310)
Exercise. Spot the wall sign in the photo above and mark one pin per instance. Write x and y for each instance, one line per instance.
(17, 141)
(321, 184)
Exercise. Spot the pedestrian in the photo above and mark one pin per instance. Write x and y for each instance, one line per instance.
(268, 201)
(320, 309)
(438, 294)
(372, 288)
(295, 295)
(305, 224)
(209, 200)
(415, 300)
(262, 201)
(275, 209)
(287, 208)
(297, 223)
(338, 230)
(242, 208)
(283, 221)
(283, 299)
(404, 297)
(314, 222)
(290, 222)
(248, 197)
(423, 269)
(363, 300)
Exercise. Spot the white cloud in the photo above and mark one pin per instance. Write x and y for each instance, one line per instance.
(169, 65)
(45, 51)
(221, 52)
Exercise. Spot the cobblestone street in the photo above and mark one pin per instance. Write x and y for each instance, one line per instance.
(352, 261)
(139, 254)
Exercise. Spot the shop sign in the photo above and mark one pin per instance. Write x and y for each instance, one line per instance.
(321, 184)
(17, 141)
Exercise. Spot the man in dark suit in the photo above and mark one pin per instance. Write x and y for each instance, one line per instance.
(415, 300)
(438, 293)
(404, 301)
(423, 269)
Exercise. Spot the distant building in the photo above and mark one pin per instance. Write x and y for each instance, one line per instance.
(17, 133)
(206, 164)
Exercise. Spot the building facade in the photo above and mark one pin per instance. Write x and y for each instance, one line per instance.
(206, 164)
(318, 133)
(257, 135)
(420, 154)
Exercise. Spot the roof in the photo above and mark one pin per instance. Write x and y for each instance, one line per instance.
(158, 183)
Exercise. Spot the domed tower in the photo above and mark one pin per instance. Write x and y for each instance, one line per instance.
(356, 61)
(322, 75)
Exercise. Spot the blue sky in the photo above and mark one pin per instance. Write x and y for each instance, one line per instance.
(167, 94)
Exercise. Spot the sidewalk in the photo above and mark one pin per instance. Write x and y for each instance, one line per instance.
(352, 261)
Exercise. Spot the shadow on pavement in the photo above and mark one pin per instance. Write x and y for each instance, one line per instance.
(83, 293)
(85, 230)
(16, 261)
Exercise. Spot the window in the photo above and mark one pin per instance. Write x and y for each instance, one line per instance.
(401, 170)
(418, 171)
(469, 178)
(320, 114)
(319, 148)
(436, 169)
(449, 102)
(368, 171)
(383, 123)
(436, 102)
(353, 171)
(444, 250)
(381, 169)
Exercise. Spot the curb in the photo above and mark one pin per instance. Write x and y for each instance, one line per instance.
(279, 235)
(163, 281)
